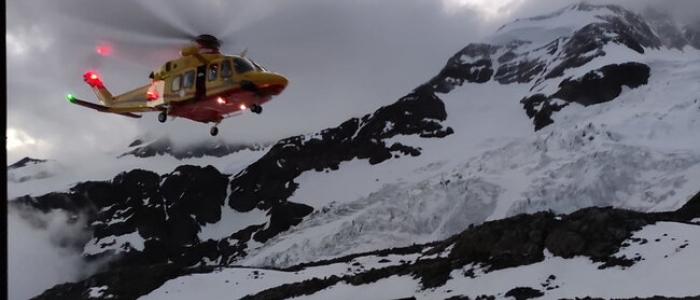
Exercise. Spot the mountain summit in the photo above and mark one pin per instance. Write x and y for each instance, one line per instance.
(567, 141)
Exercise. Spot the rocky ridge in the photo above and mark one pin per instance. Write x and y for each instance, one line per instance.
(596, 233)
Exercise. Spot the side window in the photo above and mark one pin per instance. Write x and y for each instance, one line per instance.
(176, 84)
(226, 69)
(188, 79)
(213, 71)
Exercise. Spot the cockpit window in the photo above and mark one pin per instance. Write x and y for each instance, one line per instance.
(226, 69)
(259, 67)
(242, 65)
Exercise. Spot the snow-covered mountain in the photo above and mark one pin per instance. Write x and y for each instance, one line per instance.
(492, 179)
(30, 168)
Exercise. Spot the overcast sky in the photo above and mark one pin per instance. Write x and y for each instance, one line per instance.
(343, 59)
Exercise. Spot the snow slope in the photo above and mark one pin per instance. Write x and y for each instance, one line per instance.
(668, 265)
(640, 151)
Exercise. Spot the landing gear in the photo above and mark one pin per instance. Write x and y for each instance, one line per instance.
(256, 109)
(214, 131)
(162, 117)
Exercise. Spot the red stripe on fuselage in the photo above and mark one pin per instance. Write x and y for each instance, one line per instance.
(209, 109)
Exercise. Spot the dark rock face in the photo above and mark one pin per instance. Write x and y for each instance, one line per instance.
(123, 284)
(471, 64)
(598, 86)
(167, 211)
(587, 43)
(164, 146)
(524, 293)
(596, 233)
(692, 34)
(270, 180)
(604, 84)
(24, 162)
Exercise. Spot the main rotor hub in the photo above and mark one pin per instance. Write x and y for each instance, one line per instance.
(208, 42)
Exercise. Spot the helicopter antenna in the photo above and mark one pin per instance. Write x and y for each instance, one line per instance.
(244, 52)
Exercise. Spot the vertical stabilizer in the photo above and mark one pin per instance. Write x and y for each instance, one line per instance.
(94, 81)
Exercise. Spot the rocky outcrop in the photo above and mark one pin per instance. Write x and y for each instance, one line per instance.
(164, 212)
(123, 284)
(270, 180)
(595, 87)
(596, 233)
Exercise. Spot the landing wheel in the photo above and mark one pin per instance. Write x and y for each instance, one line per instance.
(214, 131)
(256, 109)
(162, 117)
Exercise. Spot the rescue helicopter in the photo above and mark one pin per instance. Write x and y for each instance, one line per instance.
(202, 85)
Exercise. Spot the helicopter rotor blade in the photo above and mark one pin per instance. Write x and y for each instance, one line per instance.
(148, 32)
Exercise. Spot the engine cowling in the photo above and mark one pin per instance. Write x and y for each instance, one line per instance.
(189, 50)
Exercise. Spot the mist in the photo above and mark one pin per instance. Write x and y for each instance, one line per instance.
(44, 250)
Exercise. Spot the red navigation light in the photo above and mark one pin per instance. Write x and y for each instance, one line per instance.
(92, 78)
(151, 95)
(103, 49)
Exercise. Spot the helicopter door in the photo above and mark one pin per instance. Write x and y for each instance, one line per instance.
(200, 84)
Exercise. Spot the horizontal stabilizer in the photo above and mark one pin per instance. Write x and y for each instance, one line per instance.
(102, 108)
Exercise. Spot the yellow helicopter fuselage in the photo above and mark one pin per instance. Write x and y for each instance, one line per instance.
(201, 85)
